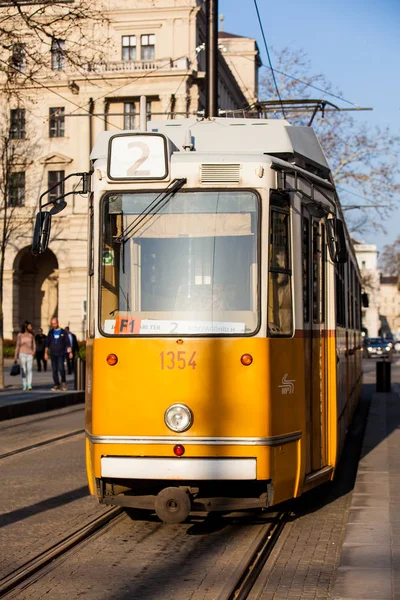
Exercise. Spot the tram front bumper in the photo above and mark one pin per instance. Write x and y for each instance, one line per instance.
(197, 469)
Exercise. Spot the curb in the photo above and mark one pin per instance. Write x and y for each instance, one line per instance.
(38, 405)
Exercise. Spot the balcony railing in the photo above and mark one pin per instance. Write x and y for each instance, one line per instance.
(129, 66)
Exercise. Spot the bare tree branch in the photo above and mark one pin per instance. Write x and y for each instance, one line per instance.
(362, 158)
(16, 156)
(390, 259)
(74, 32)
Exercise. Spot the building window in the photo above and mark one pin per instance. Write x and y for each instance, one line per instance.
(57, 122)
(18, 57)
(148, 109)
(17, 124)
(58, 54)
(54, 178)
(129, 115)
(129, 47)
(16, 191)
(147, 43)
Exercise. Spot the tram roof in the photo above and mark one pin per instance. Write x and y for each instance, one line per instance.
(275, 137)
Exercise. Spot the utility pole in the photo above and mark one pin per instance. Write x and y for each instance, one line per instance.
(212, 59)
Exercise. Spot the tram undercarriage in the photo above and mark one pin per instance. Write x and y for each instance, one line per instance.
(174, 500)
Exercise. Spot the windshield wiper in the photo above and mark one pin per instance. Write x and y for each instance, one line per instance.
(151, 209)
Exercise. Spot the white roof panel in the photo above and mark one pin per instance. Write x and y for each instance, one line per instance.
(228, 136)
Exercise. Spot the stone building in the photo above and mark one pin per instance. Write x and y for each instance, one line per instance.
(367, 258)
(390, 305)
(154, 48)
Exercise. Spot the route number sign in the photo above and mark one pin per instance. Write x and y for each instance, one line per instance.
(137, 156)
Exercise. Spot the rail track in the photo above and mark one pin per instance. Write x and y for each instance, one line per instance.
(58, 438)
(32, 419)
(241, 583)
(36, 565)
(238, 587)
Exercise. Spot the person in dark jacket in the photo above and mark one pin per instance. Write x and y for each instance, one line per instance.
(40, 341)
(73, 342)
(58, 343)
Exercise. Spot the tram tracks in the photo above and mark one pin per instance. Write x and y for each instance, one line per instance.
(42, 443)
(251, 568)
(37, 565)
(241, 583)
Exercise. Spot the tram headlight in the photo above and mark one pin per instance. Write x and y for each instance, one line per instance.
(178, 417)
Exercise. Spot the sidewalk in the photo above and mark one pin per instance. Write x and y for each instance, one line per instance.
(370, 557)
(16, 403)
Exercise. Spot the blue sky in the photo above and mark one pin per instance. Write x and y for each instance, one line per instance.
(354, 43)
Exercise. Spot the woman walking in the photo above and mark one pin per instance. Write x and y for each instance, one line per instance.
(25, 351)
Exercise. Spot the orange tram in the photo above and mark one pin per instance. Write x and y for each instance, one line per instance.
(224, 355)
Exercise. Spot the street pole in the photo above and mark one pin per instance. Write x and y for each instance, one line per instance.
(212, 59)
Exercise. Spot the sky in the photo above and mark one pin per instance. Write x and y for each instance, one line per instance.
(354, 43)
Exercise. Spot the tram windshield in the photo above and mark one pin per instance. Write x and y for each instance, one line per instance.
(186, 267)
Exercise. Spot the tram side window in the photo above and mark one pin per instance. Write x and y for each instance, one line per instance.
(90, 315)
(349, 320)
(109, 265)
(357, 303)
(340, 296)
(323, 273)
(316, 254)
(280, 320)
(351, 311)
(306, 270)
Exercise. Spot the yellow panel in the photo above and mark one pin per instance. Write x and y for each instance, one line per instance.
(89, 468)
(227, 398)
(285, 472)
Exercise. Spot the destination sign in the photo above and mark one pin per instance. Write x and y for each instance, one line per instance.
(126, 325)
(133, 156)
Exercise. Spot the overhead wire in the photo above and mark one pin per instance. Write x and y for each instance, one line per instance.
(297, 79)
(36, 81)
(222, 49)
(347, 191)
(197, 50)
(269, 58)
(146, 74)
(49, 89)
(80, 107)
(313, 86)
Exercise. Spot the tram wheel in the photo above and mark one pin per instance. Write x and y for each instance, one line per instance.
(172, 505)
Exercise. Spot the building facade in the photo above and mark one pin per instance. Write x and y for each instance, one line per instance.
(154, 48)
(390, 305)
(367, 258)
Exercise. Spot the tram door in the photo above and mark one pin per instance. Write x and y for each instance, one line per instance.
(314, 300)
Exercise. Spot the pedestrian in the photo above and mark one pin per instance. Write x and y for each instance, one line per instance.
(24, 351)
(73, 342)
(40, 341)
(58, 343)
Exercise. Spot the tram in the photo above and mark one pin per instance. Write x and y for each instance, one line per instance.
(224, 354)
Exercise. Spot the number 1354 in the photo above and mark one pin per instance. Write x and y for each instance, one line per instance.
(177, 360)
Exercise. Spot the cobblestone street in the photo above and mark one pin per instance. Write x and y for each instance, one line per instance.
(140, 557)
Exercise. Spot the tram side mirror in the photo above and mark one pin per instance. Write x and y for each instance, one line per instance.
(58, 206)
(364, 300)
(41, 233)
(336, 241)
(316, 210)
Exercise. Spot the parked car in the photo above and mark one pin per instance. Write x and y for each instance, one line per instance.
(376, 347)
